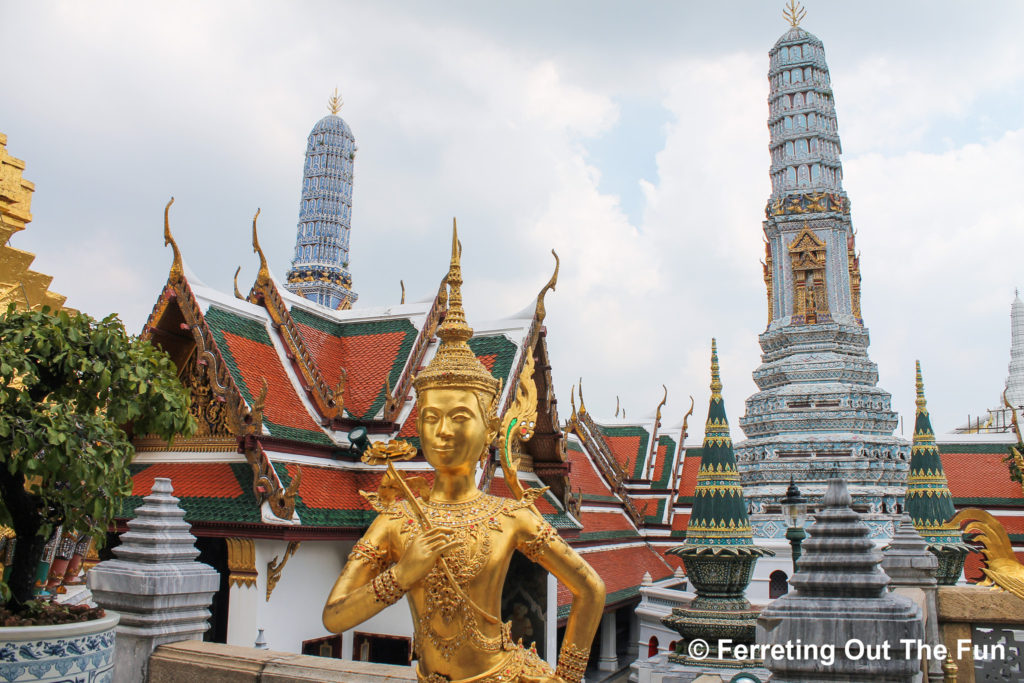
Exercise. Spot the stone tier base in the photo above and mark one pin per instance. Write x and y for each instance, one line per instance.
(193, 661)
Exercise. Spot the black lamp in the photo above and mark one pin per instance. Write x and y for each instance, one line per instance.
(359, 439)
(794, 510)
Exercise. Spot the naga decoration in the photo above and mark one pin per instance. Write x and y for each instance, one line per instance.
(1002, 567)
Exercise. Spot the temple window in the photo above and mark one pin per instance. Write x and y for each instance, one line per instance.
(778, 584)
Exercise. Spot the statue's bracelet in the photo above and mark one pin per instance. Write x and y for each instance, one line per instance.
(572, 662)
(385, 587)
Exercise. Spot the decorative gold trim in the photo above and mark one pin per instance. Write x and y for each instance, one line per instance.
(275, 568)
(241, 562)
(334, 103)
(264, 292)
(808, 256)
(653, 451)
(177, 268)
(794, 13)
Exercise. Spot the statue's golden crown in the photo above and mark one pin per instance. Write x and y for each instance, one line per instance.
(455, 366)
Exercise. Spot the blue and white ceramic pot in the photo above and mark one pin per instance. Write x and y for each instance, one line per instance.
(65, 653)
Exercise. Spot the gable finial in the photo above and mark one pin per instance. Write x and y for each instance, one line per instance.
(263, 276)
(334, 103)
(794, 13)
(177, 269)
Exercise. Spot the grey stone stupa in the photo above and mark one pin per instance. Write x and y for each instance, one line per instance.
(155, 582)
(840, 623)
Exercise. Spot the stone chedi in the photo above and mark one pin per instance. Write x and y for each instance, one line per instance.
(929, 502)
(911, 570)
(841, 596)
(319, 269)
(1015, 378)
(818, 412)
(719, 552)
(162, 593)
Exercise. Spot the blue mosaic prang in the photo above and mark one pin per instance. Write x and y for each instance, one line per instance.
(320, 267)
(818, 412)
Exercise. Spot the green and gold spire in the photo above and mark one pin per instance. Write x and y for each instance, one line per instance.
(928, 501)
(719, 516)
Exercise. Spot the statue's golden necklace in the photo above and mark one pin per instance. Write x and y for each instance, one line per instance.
(471, 522)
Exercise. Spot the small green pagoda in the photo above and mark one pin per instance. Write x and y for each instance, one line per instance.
(719, 551)
(928, 501)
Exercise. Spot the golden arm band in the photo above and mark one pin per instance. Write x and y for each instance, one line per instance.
(386, 589)
(572, 662)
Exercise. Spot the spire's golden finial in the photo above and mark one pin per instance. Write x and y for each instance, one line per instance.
(716, 381)
(264, 275)
(334, 103)
(583, 407)
(922, 405)
(794, 13)
(455, 365)
(177, 269)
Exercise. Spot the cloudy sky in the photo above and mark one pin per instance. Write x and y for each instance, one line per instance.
(630, 137)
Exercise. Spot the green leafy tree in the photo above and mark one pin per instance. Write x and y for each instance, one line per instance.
(69, 388)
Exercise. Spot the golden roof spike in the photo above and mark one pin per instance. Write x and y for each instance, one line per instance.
(922, 405)
(657, 413)
(402, 283)
(334, 103)
(177, 269)
(616, 406)
(454, 327)
(263, 276)
(583, 408)
(794, 13)
(716, 381)
(572, 401)
(238, 294)
(541, 312)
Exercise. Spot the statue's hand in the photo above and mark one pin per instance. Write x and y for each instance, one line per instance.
(421, 555)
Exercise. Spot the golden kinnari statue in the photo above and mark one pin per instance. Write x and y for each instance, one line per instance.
(448, 547)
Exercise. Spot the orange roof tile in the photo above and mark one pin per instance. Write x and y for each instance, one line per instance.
(583, 475)
(613, 520)
(979, 475)
(190, 480)
(625, 449)
(368, 359)
(283, 406)
(688, 477)
(622, 568)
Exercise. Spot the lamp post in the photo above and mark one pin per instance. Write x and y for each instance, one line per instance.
(794, 510)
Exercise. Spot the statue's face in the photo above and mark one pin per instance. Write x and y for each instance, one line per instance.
(453, 431)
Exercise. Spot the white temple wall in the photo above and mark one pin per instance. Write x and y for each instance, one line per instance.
(293, 613)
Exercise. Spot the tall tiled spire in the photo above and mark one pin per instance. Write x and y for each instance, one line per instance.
(319, 269)
(1015, 380)
(929, 502)
(818, 412)
(719, 516)
(719, 552)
